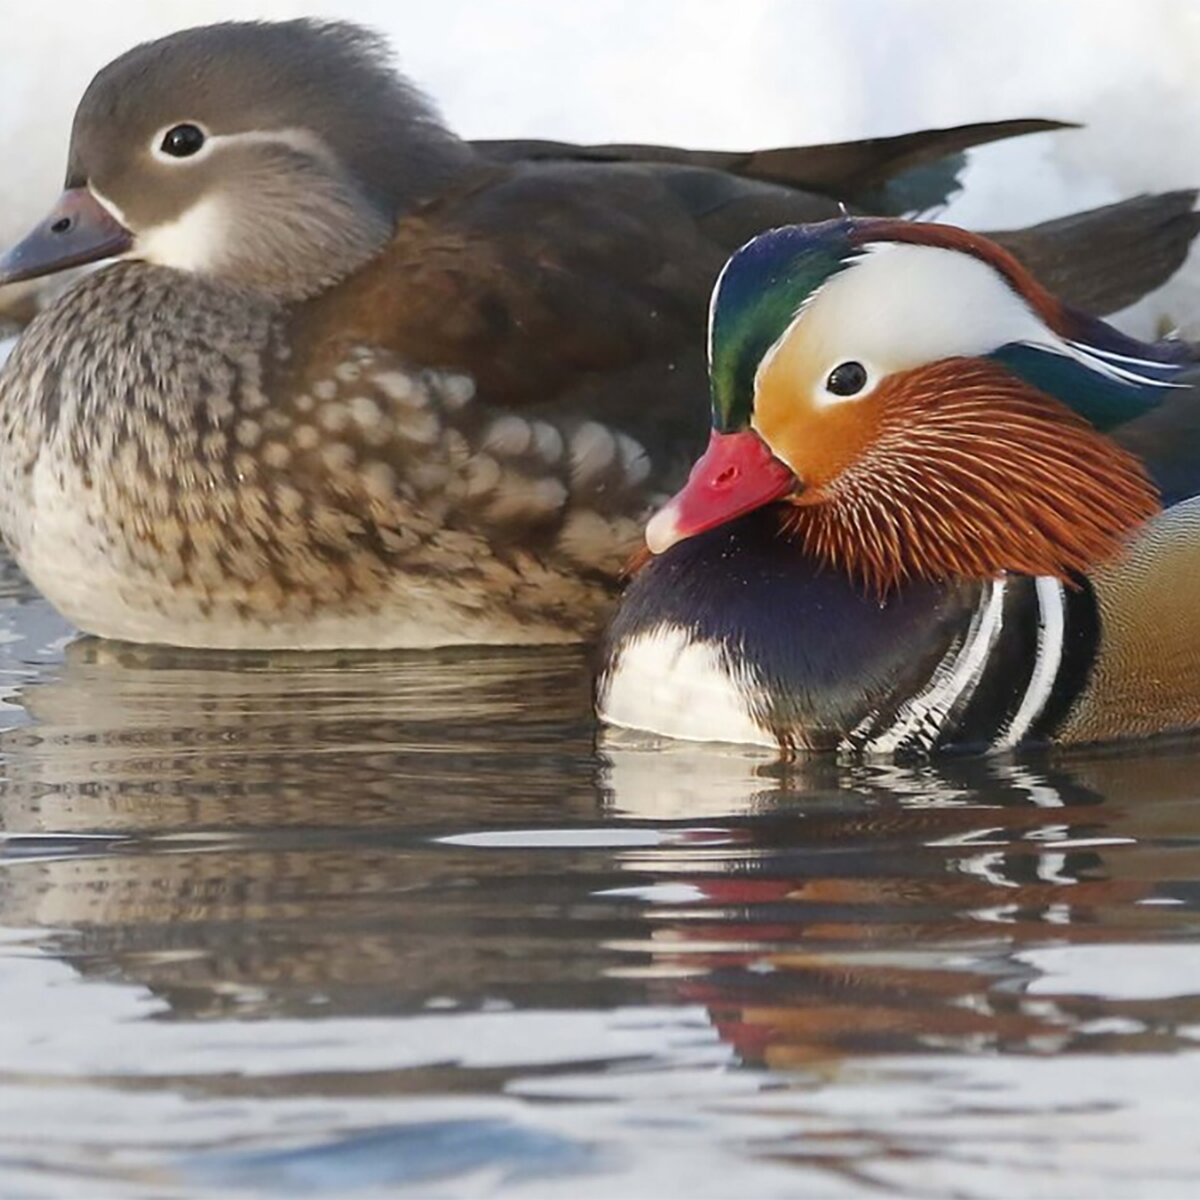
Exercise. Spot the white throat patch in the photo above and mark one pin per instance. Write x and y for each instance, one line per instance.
(191, 242)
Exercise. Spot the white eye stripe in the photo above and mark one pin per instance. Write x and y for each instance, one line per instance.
(899, 306)
(902, 306)
(302, 140)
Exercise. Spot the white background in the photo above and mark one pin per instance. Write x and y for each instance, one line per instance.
(718, 73)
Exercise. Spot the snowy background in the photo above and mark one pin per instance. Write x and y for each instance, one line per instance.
(723, 74)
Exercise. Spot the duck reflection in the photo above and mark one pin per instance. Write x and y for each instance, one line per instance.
(867, 909)
(253, 834)
(334, 835)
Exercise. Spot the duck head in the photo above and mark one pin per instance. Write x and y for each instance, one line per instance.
(274, 156)
(917, 406)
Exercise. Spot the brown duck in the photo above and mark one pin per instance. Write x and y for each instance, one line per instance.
(356, 382)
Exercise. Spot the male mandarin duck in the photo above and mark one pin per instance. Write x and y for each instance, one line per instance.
(358, 383)
(939, 509)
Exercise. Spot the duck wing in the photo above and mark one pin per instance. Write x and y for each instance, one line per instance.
(1167, 440)
(907, 173)
(1101, 260)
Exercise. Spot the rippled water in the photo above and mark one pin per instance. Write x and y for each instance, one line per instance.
(395, 925)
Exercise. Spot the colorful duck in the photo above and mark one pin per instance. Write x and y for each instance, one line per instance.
(939, 509)
(359, 383)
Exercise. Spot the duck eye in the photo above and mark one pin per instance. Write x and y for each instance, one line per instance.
(182, 141)
(846, 379)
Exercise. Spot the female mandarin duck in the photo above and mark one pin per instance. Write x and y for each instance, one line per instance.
(357, 382)
(939, 509)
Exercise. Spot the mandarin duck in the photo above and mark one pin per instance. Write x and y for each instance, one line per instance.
(355, 382)
(939, 510)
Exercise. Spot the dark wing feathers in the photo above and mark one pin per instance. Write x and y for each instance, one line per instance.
(1107, 258)
(1167, 440)
(1100, 261)
(563, 290)
(864, 174)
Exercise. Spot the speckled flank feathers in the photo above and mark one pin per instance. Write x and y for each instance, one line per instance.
(239, 500)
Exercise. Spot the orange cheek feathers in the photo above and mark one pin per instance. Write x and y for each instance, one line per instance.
(818, 443)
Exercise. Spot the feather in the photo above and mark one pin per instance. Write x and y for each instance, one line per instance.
(907, 173)
(974, 473)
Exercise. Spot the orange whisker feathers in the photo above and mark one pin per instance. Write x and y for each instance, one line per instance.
(973, 473)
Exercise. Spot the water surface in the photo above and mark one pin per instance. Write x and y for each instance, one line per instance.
(352, 925)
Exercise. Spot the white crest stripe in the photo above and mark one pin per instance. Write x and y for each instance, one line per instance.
(1091, 358)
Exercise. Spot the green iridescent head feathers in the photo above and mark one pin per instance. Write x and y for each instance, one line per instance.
(757, 297)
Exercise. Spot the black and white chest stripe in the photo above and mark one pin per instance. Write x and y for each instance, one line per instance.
(1011, 677)
(725, 640)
